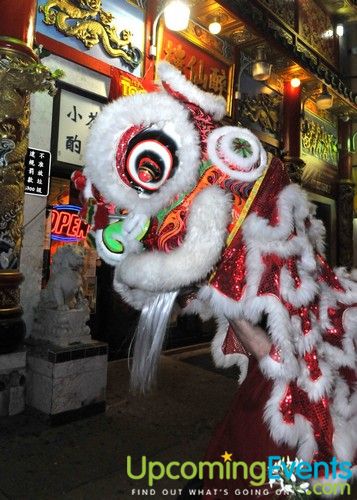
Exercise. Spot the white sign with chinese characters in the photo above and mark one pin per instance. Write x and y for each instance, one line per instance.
(76, 117)
(37, 172)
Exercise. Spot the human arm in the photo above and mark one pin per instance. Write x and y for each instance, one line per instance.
(254, 339)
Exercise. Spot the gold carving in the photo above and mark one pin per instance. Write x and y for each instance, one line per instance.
(18, 77)
(243, 35)
(285, 9)
(345, 223)
(263, 109)
(317, 141)
(9, 298)
(217, 47)
(295, 168)
(316, 27)
(91, 25)
(10, 293)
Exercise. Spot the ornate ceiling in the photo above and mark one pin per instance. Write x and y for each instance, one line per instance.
(233, 29)
(237, 33)
(340, 8)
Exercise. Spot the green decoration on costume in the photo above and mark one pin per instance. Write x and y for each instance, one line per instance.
(112, 232)
(242, 147)
(164, 211)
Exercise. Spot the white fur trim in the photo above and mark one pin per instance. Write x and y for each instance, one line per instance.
(316, 232)
(304, 342)
(157, 110)
(271, 368)
(220, 141)
(135, 297)
(210, 103)
(301, 295)
(292, 208)
(345, 402)
(197, 306)
(316, 389)
(88, 190)
(344, 438)
(286, 332)
(192, 261)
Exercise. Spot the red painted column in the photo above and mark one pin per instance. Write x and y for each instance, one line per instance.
(17, 24)
(291, 131)
(345, 197)
(291, 119)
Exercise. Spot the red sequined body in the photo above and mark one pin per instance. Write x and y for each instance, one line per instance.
(230, 280)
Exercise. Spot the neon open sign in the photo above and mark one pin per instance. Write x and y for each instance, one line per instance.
(66, 225)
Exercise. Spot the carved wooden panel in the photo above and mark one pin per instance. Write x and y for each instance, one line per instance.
(316, 28)
(263, 110)
(285, 9)
(319, 139)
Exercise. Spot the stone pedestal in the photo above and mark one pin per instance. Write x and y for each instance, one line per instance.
(62, 327)
(12, 383)
(67, 383)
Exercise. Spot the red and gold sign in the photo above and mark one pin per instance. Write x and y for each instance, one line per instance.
(207, 72)
(130, 86)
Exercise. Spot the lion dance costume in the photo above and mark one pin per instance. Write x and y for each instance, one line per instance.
(213, 222)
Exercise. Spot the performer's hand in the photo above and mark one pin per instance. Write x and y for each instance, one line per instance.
(254, 338)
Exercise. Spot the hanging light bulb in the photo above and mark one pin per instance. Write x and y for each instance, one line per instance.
(340, 30)
(177, 15)
(215, 26)
(295, 82)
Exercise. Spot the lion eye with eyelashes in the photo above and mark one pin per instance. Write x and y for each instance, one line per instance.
(150, 160)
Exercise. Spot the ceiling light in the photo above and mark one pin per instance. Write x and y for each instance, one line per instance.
(215, 27)
(177, 15)
(327, 34)
(295, 82)
(324, 100)
(340, 30)
(261, 69)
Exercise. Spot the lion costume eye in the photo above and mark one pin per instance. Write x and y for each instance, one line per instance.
(150, 160)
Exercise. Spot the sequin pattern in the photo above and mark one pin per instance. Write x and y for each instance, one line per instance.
(296, 402)
(312, 364)
(231, 344)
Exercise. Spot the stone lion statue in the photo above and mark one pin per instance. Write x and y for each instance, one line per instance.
(64, 288)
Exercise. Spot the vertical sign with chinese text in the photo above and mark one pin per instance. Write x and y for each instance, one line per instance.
(37, 172)
(76, 116)
(74, 112)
